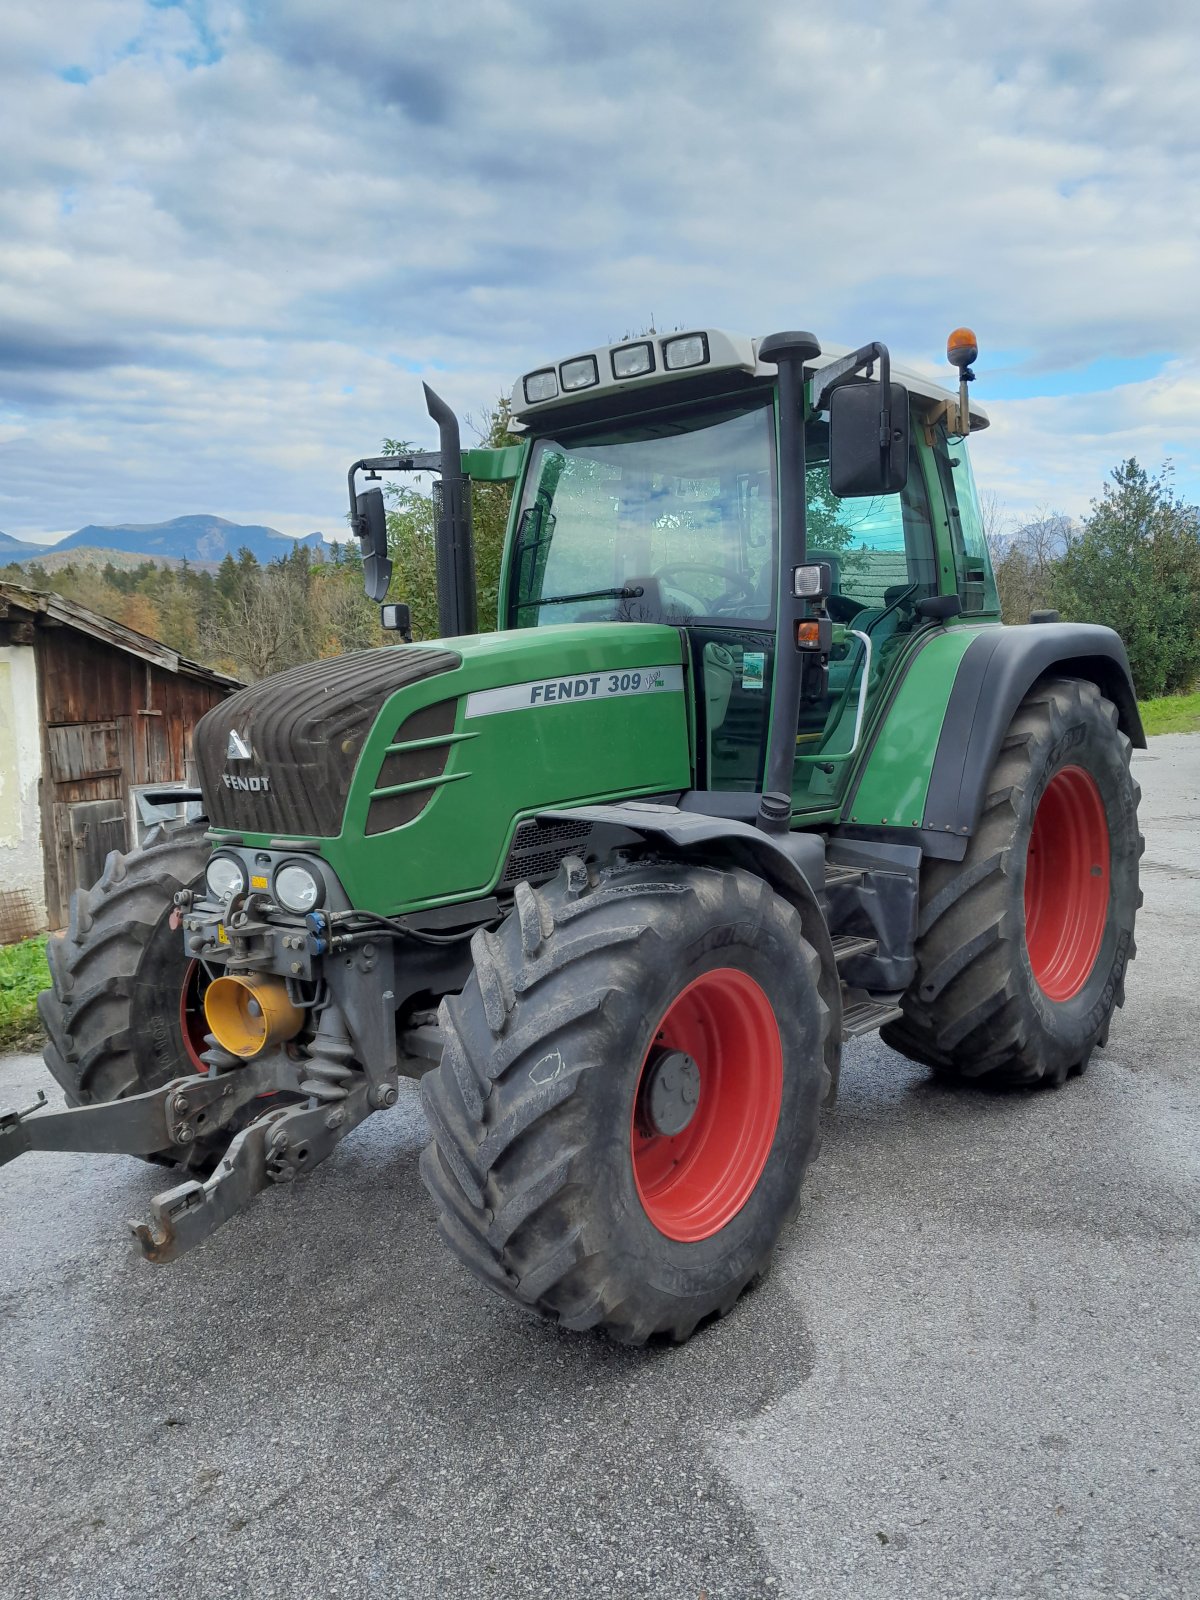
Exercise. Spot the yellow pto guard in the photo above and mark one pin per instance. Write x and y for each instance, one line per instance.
(248, 1013)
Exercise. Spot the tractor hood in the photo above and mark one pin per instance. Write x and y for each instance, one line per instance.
(410, 768)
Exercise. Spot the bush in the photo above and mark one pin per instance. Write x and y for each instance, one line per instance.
(23, 975)
(1136, 567)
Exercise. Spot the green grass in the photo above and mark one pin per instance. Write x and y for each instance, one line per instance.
(23, 973)
(1173, 713)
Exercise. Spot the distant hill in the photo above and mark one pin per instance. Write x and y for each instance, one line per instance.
(201, 540)
(20, 549)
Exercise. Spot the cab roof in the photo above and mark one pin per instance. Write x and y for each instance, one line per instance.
(593, 374)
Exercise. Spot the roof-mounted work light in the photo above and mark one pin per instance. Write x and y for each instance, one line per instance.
(689, 351)
(541, 385)
(579, 374)
(632, 360)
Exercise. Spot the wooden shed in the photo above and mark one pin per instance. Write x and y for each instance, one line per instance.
(92, 715)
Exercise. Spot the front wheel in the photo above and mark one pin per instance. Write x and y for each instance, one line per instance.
(125, 1013)
(628, 1095)
(1023, 945)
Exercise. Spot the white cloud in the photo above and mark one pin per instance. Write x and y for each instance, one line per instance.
(244, 214)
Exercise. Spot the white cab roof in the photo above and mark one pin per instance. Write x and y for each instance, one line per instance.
(727, 351)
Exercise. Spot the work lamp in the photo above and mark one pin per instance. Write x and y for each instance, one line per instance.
(580, 374)
(632, 360)
(689, 351)
(541, 386)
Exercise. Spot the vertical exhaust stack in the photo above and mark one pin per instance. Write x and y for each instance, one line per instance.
(455, 544)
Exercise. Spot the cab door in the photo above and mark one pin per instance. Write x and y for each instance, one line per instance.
(882, 558)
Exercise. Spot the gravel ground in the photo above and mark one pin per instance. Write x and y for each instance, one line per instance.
(972, 1373)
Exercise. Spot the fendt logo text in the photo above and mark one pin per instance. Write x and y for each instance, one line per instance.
(247, 785)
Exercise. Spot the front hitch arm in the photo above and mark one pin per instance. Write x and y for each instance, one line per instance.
(277, 1147)
(169, 1118)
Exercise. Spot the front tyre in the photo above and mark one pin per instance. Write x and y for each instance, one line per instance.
(124, 1012)
(1023, 945)
(628, 1096)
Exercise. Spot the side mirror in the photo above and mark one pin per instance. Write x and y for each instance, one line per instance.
(370, 525)
(868, 440)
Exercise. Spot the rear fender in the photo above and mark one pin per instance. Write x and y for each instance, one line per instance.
(996, 672)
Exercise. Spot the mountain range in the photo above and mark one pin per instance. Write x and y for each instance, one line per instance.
(201, 540)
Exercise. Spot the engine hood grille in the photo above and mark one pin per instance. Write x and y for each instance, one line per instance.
(278, 757)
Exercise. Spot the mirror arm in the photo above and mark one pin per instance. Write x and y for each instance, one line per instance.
(423, 461)
(827, 379)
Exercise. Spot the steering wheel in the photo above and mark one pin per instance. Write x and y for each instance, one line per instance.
(738, 585)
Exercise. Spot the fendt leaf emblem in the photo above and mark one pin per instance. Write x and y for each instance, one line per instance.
(237, 749)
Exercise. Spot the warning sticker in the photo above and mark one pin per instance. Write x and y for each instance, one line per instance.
(754, 666)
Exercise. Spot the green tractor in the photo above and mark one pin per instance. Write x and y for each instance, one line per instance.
(749, 768)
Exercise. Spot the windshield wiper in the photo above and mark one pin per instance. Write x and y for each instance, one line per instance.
(630, 591)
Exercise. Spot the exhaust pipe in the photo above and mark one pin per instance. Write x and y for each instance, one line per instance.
(248, 1013)
(455, 544)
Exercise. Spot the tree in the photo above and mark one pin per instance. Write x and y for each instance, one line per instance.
(411, 531)
(1025, 562)
(1136, 567)
(490, 504)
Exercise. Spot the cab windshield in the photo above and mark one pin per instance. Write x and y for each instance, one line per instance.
(669, 521)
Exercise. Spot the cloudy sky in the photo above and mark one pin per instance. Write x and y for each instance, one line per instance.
(235, 237)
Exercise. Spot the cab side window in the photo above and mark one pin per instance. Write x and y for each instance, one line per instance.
(972, 564)
(880, 551)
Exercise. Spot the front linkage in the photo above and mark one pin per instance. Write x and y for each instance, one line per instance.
(293, 1027)
(278, 1145)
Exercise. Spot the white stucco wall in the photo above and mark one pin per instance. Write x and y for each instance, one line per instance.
(21, 865)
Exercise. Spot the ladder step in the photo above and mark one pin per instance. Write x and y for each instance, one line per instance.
(846, 945)
(864, 1016)
(835, 875)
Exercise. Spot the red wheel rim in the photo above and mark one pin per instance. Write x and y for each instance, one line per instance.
(193, 1026)
(693, 1183)
(1067, 874)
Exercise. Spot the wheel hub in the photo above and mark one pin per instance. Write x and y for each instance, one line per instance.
(1068, 873)
(715, 1074)
(670, 1092)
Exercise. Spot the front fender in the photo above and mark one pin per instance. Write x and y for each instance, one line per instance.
(792, 863)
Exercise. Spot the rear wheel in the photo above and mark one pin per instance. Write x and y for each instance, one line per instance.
(628, 1096)
(1023, 945)
(125, 1012)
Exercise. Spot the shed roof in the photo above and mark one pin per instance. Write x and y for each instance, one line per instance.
(42, 607)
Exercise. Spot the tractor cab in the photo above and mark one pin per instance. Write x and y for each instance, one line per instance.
(803, 519)
(656, 488)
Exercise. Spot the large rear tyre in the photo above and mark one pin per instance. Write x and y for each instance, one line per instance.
(124, 1013)
(1023, 945)
(628, 1096)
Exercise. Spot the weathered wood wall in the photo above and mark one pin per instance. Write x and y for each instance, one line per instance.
(110, 720)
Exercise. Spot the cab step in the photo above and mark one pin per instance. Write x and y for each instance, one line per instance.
(836, 876)
(846, 945)
(864, 1013)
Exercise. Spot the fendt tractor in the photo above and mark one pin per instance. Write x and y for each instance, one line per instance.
(751, 767)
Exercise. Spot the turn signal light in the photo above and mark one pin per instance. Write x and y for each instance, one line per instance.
(808, 635)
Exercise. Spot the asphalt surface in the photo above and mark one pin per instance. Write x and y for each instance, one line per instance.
(974, 1372)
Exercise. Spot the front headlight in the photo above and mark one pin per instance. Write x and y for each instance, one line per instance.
(298, 887)
(224, 877)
